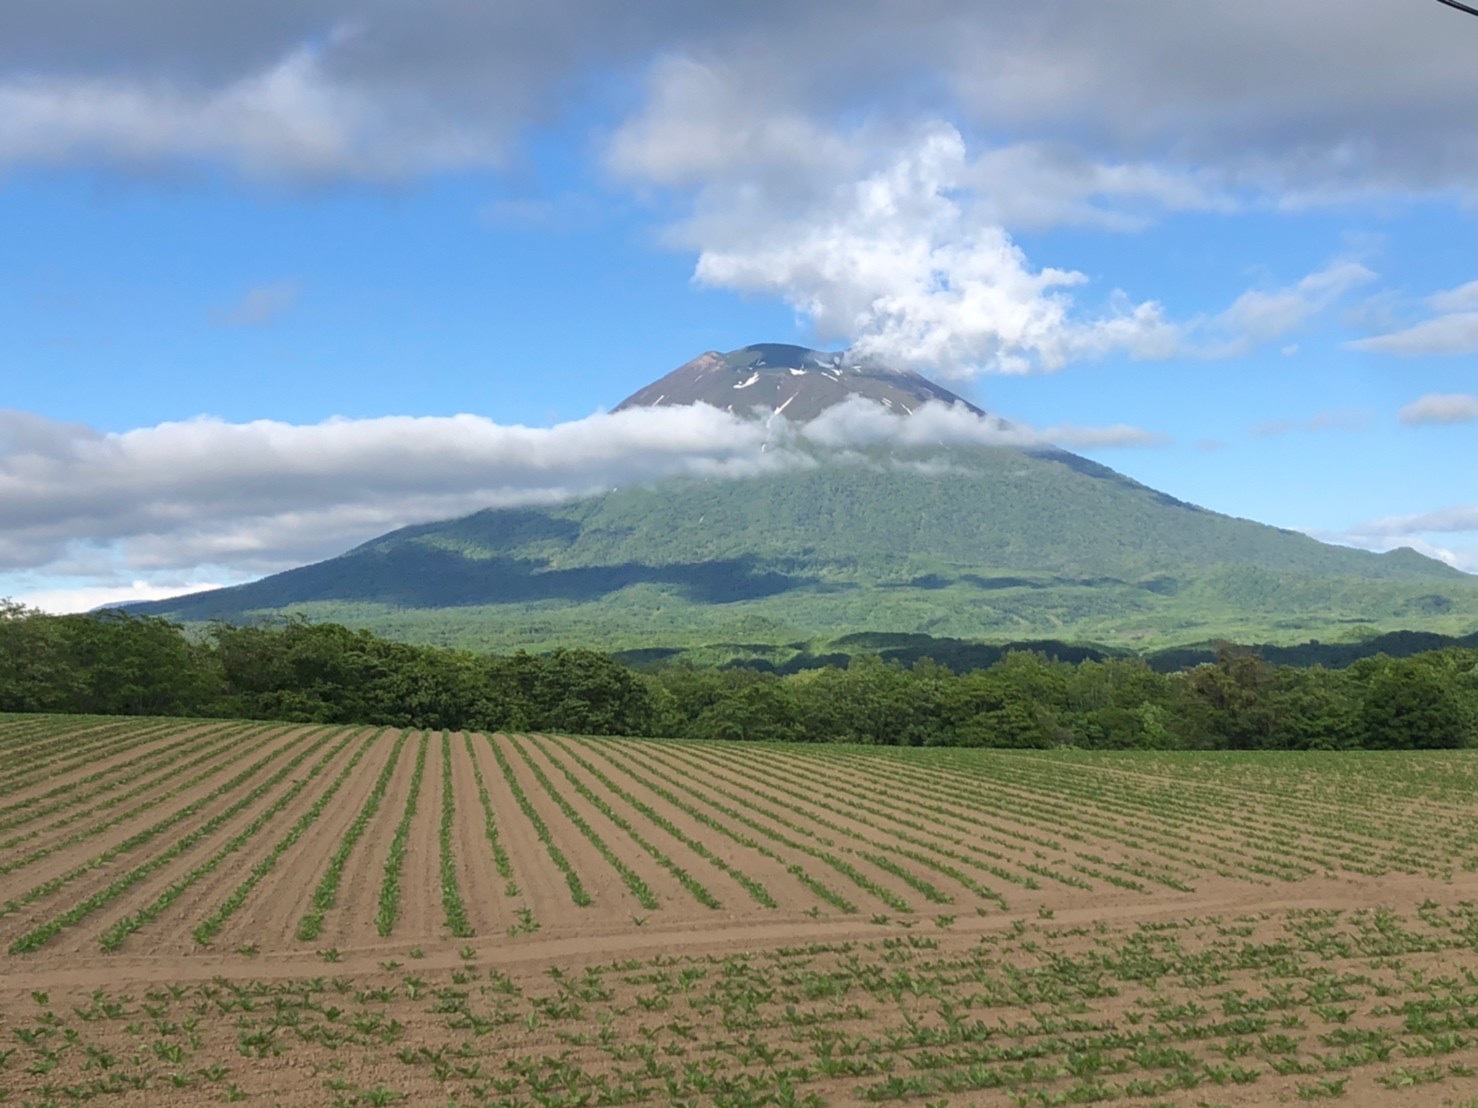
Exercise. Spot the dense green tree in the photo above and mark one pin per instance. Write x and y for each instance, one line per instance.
(1408, 706)
(120, 663)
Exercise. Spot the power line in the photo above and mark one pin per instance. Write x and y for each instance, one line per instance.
(1459, 6)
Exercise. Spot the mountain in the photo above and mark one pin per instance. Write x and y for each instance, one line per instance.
(971, 542)
(788, 380)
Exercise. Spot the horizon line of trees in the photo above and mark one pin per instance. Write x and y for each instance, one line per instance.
(116, 663)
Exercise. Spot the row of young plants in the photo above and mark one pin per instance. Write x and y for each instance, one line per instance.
(988, 787)
(698, 891)
(179, 816)
(1019, 847)
(1155, 817)
(871, 805)
(73, 792)
(1294, 1007)
(756, 890)
(629, 877)
(32, 768)
(145, 797)
(654, 780)
(389, 909)
(39, 936)
(144, 792)
(325, 894)
(20, 732)
(72, 797)
(826, 851)
(920, 849)
(210, 927)
(39, 738)
(1295, 827)
(866, 849)
(578, 894)
(114, 936)
(1186, 804)
(1147, 852)
(943, 798)
(501, 862)
(451, 896)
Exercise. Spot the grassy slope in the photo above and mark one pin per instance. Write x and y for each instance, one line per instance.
(984, 543)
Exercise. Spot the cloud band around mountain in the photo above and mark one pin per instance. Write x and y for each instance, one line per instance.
(255, 497)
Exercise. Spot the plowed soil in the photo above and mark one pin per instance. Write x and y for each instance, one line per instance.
(1230, 930)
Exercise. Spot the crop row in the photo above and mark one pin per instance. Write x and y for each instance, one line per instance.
(663, 785)
(757, 892)
(44, 933)
(451, 896)
(69, 800)
(696, 888)
(94, 746)
(395, 861)
(153, 831)
(578, 894)
(326, 893)
(113, 937)
(1297, 1006)
(639, 889)
(209, 927)
(209, 758)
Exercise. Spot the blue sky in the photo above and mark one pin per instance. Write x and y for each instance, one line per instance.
(255, 263)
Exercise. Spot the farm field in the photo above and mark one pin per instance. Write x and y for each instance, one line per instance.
(216, 911)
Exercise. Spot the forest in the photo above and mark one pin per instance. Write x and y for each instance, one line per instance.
(115, 663)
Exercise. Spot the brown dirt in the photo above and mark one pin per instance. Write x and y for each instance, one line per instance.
(676, 903)
(421, 916)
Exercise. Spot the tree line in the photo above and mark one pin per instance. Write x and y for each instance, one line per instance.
(115, 663)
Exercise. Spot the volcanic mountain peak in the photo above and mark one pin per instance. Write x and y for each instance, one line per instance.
(791, 380)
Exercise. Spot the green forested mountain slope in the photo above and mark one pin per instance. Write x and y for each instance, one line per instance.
(984, 542)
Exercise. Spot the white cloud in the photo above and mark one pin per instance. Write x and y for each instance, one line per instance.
(897, 264)
(241, 499)
(1441, 408)
(1454, 330)
(85, 598)
(1452, 520)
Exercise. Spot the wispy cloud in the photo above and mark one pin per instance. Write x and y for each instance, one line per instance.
(260, 305)
(1449, 534)
(1458, 407)
(1453, 330)
(1337, 419)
